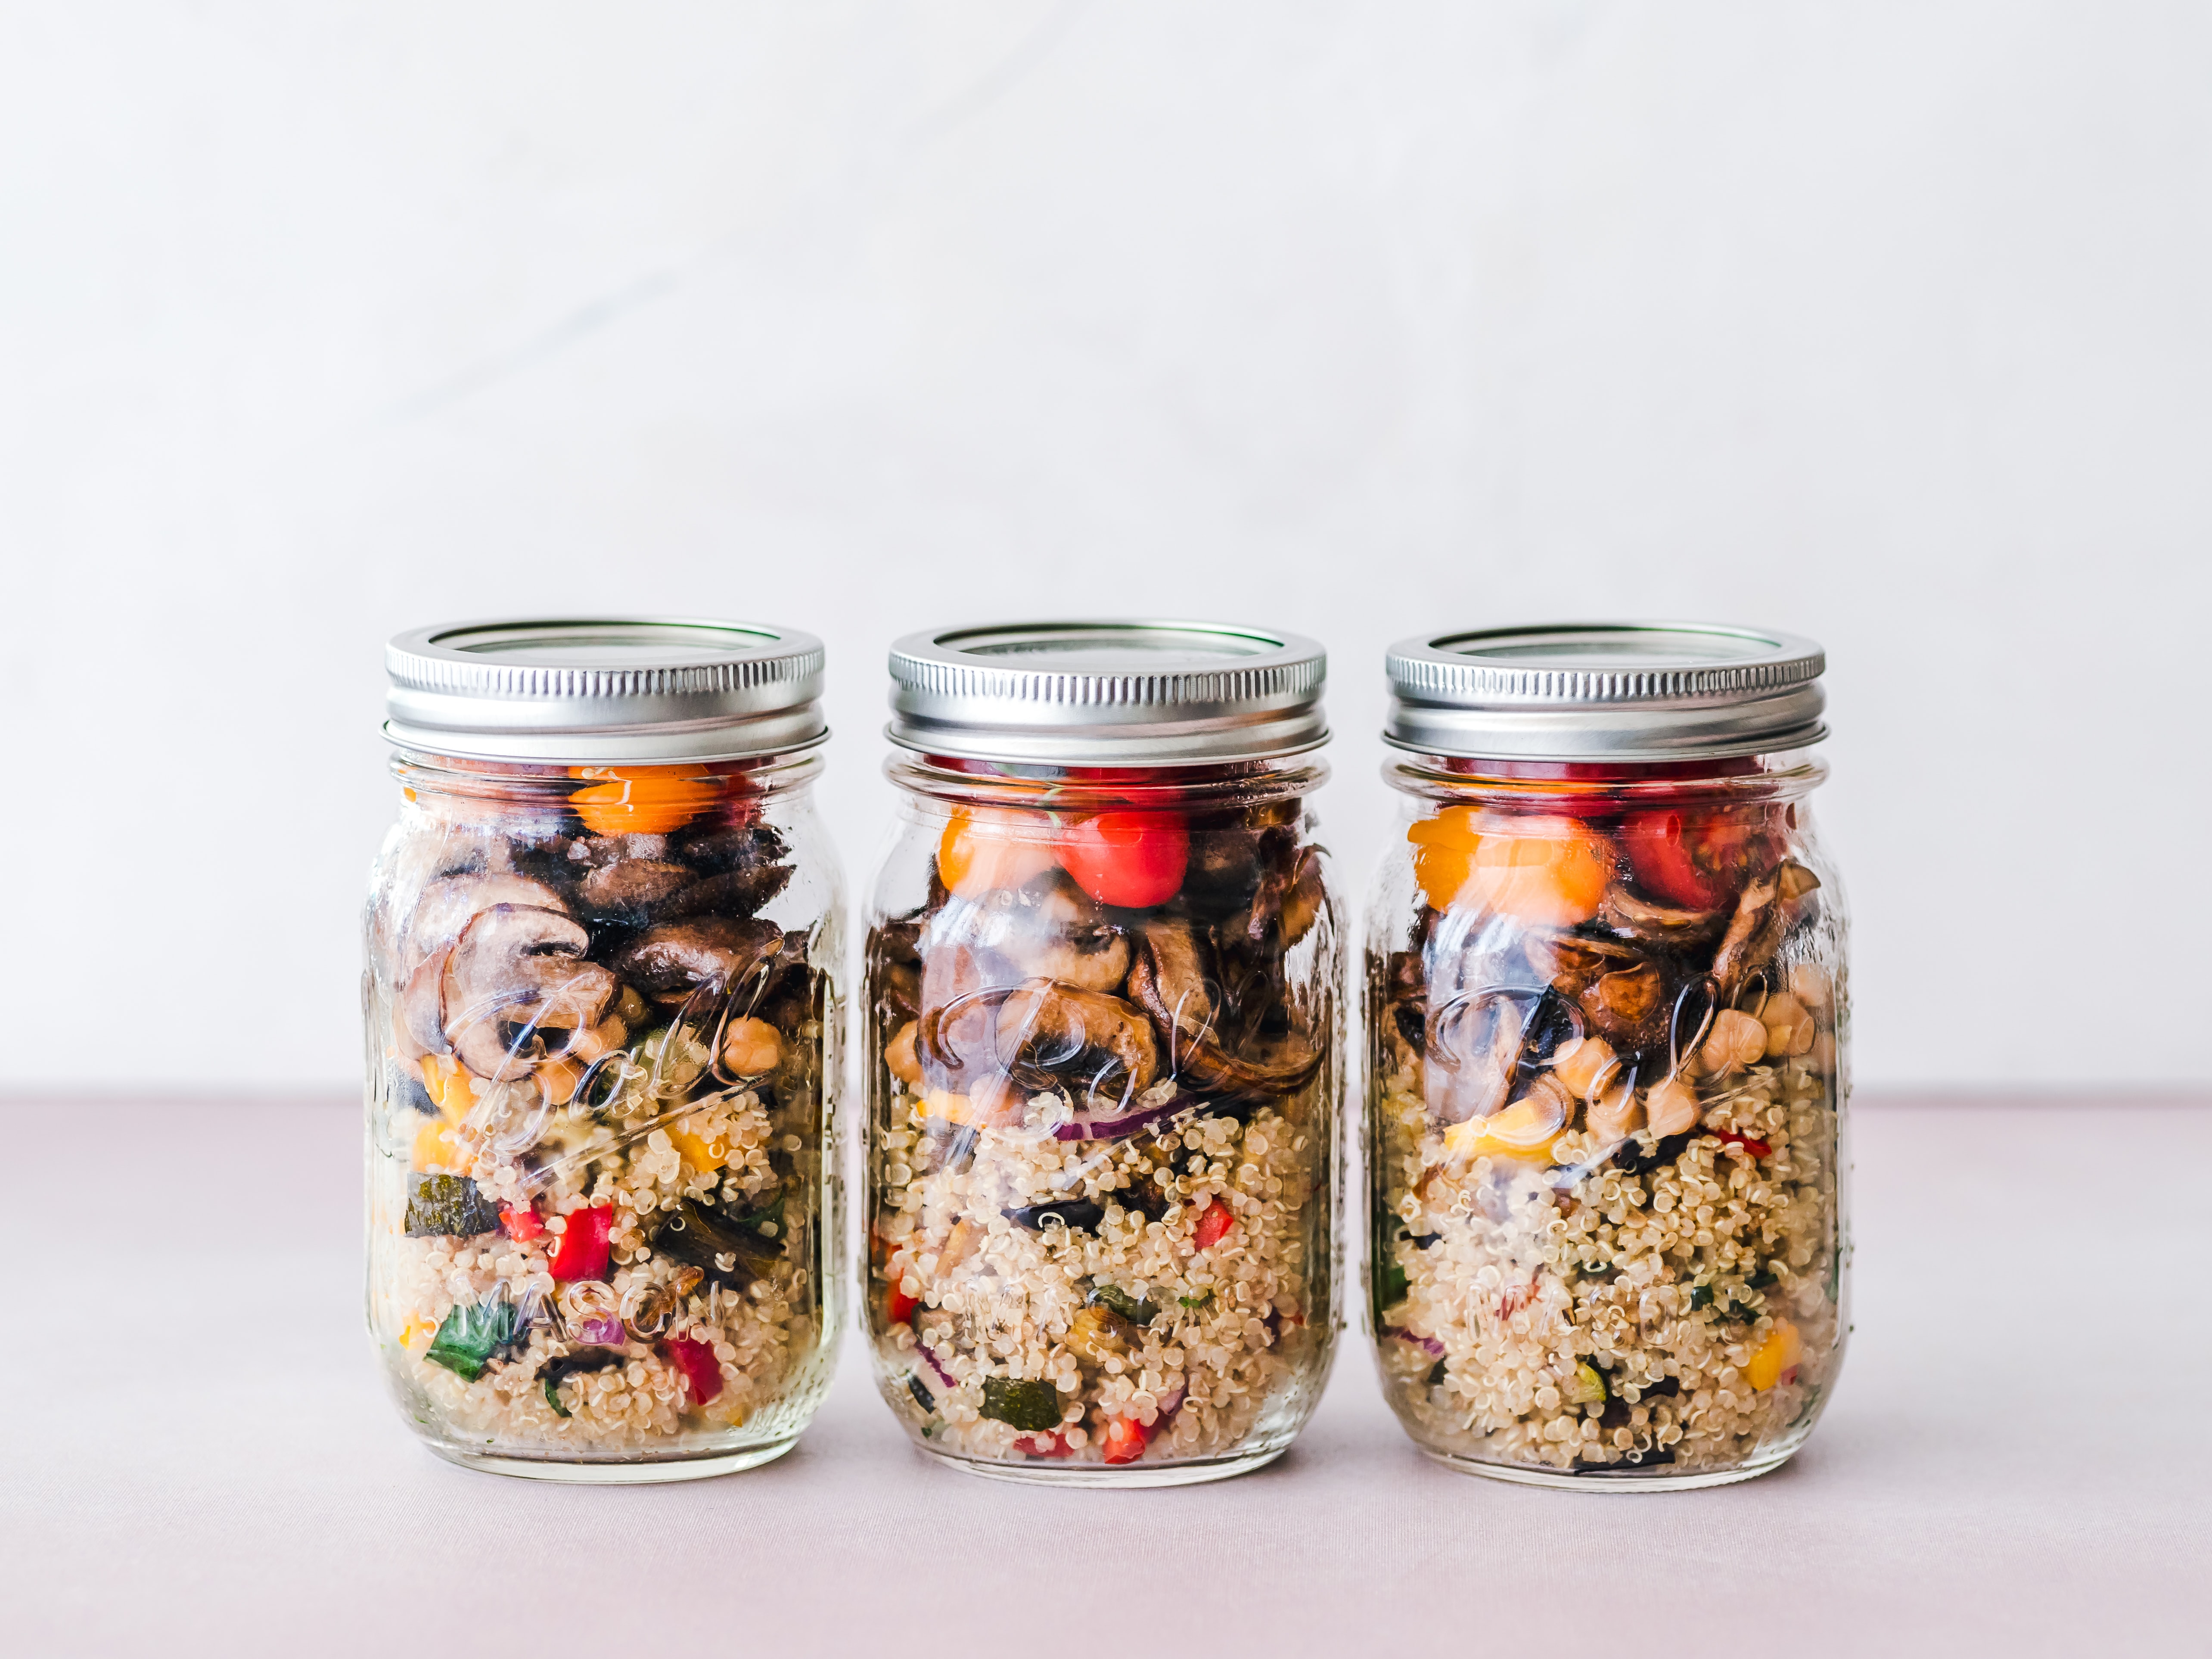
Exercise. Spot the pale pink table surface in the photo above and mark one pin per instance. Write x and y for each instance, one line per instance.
(199, 1457)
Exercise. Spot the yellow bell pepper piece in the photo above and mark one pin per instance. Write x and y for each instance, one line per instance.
(449, 1086)
(1524, 1130)
(1780, 1353)
(701, 1153)
(416, 1334)
(435, 1143)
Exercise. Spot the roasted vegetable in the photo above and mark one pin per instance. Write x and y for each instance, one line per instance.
(696, 1361)
(582, 1252)
(1033, 1406)
(1078, 1214)
(472, 1336)
(1115, 1299)
(556, 1372)
(448, 1205)
(729, 1251)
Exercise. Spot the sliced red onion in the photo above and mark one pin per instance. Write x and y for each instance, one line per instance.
(1427, 1344)
(1121, 1129)
(601, 1332)
(921, 1352)
(1171, 1403)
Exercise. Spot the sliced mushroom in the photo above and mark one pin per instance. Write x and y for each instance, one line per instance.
(671, 960)
(1050, 930)
(1753, 933)
(1626, 1006)
(1285, 906)
(1053, 1036)
(1571, 963)
(447, 905)
(1637, 918)
(422, 1004)
(735, 893)
(1169, 980)
(956, 1031)
(632, 889)
(516, 975)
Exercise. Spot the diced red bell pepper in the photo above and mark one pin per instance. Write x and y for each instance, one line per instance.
(1756, 1148)
(1044, 1446)
(1125, 1440)
(522, 1226)
(898, 1306)
(696, 1361)
(1214, 1223)
(582, 1251)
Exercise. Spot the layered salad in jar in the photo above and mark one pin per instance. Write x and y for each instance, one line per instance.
(597, 1198)
(1102, 1140)
(1604, 1153)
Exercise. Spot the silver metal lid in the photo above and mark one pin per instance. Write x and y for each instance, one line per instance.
(1108, 693)
(1625, 692)
(591, 690)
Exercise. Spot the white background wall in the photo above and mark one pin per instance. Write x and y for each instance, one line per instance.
(1883, 322)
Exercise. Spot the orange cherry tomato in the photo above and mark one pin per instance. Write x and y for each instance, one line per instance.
(642, 800)
(1544, 871)
(985, 847)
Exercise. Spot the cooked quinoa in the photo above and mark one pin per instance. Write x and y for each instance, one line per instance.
(1000, 1300)
(1570, 1316)
(647, 1302)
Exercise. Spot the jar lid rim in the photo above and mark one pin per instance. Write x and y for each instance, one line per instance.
(1110, 690)
(1604, 690)
(600, 688)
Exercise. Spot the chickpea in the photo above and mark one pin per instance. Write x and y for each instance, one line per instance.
(1583, 1063)
(900, 1055)
(1615, 1116)
(600, 1041)
(631, 1009)
(750, 1047)
(559, 1078)
(1810, 983)
(1788, 1027)
(1736, 1039)
(1671, 1108)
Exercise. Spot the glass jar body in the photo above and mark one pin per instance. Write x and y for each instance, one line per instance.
(1607, 1033)
(1103, 1151)
(603, 1041)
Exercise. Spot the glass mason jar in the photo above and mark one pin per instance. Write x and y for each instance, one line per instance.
(603, 1048)
(1606, 1021)
(1102, 1054)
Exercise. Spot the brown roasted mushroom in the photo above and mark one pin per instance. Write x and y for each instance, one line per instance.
(1571, 963)
(1054, 1035)
(446, 905)
(1050, 929)
(956, 1031)
(673, 960)
(1753, 932)
(734, 893)
(517, 976)
(1169, 979)
(1626, 1006)
(632, 889)
(1637, 918)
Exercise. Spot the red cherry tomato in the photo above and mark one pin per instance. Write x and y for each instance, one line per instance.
(1130, 859)
(898, 1306)
(1695, 859)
